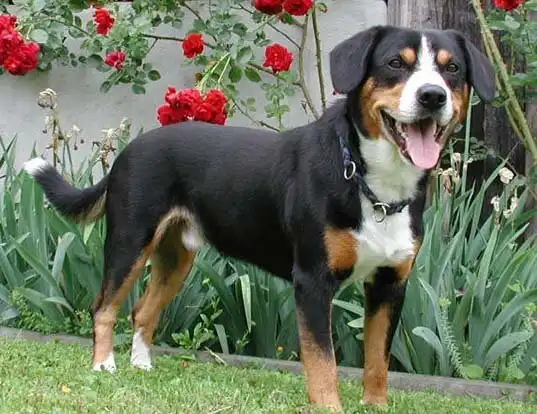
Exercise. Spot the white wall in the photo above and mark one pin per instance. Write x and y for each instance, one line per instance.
(80, 101)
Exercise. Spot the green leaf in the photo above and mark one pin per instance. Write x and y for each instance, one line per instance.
(504, 345)
(431, 338)
(244, 55)
(222, 338)
(95, 61)
(235, 74)
(105, 86)
(153, 75)
(511, 23)
(472, 371)
(138, 89)
(37, 5)
(247, 299)
(59, 257)
(39, 36)
(287, 18)
(252, 74)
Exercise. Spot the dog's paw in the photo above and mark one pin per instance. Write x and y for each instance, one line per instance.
(109, 364)
(140, 354)
(379, 404)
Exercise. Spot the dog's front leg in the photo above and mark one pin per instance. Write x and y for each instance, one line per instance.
(314, 291)
(384, 298)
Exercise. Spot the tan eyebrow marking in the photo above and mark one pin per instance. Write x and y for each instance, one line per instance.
(408, 55)
(444, 56)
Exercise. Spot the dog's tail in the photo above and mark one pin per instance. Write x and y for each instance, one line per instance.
(80, 205)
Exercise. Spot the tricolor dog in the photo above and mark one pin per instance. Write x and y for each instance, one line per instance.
(341, 196)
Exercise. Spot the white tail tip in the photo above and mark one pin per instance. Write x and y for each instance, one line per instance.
(35, 166)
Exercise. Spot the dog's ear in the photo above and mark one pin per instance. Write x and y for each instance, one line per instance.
(481, 73)
(349, 59)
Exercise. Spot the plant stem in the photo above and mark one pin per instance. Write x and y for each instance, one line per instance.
(280, 123)
(517, 112)
(301, 81)
(173, 38)
(251, 118)
(319, 58)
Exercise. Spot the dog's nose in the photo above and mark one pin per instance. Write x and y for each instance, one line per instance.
(432, 97)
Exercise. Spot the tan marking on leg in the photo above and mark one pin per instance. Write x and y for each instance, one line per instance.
(409, 56)
(376, 362)
(341, 248)
(320, 370)
(443, 57)
(171, 262)
(164, 285)
(106, 313)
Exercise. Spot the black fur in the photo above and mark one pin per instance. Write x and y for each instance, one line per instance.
(264, 197)
(70, 201)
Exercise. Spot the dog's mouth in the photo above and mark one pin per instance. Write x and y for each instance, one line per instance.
(419, 141)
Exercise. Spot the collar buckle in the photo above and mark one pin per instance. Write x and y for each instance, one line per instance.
(380, 211)
(349, 170)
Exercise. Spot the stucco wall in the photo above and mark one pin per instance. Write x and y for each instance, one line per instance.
(81, 102)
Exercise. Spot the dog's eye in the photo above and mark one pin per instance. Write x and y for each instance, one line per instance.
(452, 67)
(396, 63)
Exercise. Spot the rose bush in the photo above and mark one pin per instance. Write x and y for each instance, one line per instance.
(225, 40)
(17, 55)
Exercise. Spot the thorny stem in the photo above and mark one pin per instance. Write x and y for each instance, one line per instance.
(251, 118)
(301, 81)
(293, 41)
(318, 56)
(514, 107)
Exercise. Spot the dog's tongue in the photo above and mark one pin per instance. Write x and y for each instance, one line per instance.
(421, 144)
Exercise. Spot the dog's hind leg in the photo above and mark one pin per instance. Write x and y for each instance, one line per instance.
(171, 262)
(125, 259)
(313, 302)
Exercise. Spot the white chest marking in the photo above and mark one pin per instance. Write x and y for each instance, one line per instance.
(392, 179)
(382, 244)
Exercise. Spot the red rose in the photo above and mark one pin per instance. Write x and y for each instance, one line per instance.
(216, 99)
(508, 4)
(213, 108)
(278, 58)
(185, 102)
(104, 21)
(188, 104)
(269, 6)
(115, 59)
(297, 7)
(166, 115)
(9, 42)
(23, 59)
(193, 45)
(7, 23)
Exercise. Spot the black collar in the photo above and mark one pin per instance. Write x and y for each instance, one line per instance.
(355, 171)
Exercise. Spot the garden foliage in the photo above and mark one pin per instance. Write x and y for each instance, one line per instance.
(470, 306)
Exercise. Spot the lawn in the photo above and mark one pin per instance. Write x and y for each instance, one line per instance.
(54, 377)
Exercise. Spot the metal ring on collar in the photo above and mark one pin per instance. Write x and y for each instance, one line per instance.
(349, 173)
(380, 211)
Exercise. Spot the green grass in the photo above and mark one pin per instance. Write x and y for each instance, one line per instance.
(54, 377)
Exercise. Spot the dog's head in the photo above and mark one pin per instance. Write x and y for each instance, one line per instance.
(412, 86)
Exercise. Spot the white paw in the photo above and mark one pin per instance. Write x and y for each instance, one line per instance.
(107, 365)
(140, 355)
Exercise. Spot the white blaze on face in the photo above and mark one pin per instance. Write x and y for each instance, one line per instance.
(426, 73)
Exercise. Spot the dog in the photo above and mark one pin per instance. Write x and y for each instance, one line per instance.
(341, 197)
